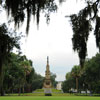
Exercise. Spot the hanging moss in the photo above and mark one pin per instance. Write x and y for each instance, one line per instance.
(21, 9)
(82, 27)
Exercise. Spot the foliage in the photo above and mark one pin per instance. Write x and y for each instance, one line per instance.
(37, 83)
(81, 23)
(68, 83)
(20, 76)
(53, 81)
(82, 26)
(74, 81)
(89, 79)
(16, 73)
(20, 10)
(75, 71)
(92, 68)
(7, 43)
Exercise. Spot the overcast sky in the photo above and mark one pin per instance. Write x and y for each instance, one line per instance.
(54, 40)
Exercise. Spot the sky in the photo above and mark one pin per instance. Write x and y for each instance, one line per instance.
(54, 40)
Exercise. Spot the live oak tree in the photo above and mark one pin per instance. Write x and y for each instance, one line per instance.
(92, 73)
(82, 25)
(20, 10)
(7, 43)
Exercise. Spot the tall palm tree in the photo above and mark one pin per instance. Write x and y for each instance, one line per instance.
(76, 73)
(27, 68)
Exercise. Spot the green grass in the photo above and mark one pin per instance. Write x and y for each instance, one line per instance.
(39, 90)
(48, 98)
(53, 94)
(53, 90)
(26, 94)
(40, 94)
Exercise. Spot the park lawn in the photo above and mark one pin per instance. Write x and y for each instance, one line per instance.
(53, 90)
(49, 98)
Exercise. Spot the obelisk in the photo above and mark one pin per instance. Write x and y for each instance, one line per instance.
(47, 82)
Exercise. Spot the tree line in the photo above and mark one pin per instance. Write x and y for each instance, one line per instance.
(20, 76)
(17, 74)
(86, 79)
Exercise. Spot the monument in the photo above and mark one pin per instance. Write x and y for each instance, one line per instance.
(47, 81)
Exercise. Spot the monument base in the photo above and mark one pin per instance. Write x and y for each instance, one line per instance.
(48, 91)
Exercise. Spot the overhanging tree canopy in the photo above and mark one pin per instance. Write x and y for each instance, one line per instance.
(21, 9)
(81, 22)
(82, 26)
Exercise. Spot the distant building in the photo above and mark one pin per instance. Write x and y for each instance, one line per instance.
(59, 85)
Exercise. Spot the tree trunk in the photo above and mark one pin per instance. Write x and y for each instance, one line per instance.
(86, 92)
(77, 84)
(2, 91)
(1, 78)
(19, 91)
(23, 89)
(29, 90)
